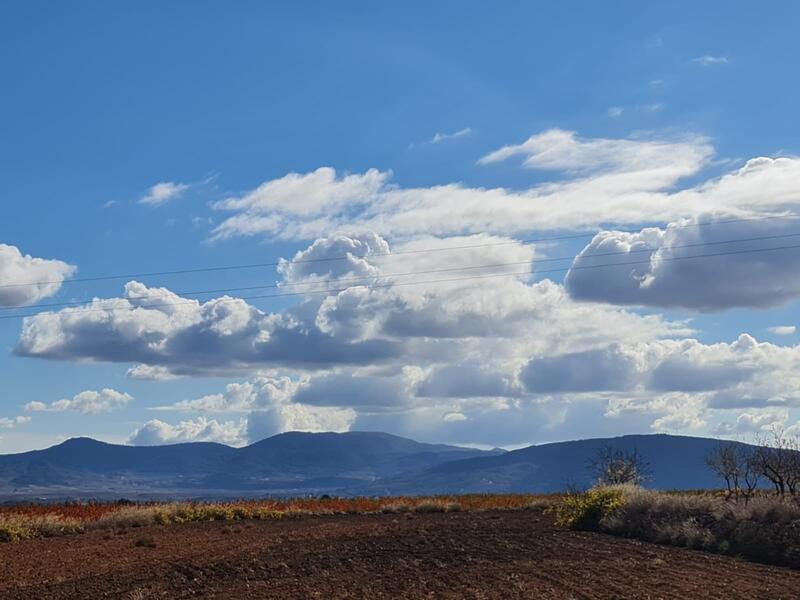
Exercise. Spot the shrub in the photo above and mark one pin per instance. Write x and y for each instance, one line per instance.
(586, 510)
(766, 529)
(18, 527)
(395, 508)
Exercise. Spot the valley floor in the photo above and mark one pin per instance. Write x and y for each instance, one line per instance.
(502, 554)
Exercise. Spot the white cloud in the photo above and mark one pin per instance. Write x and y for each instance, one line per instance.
(752, 422)
(151, 373)
(564, 151)
(25, 279)
(298, 417)
(607, 181)
(156, 432)
(615, 111)
(273, 406)
(88, 402)
(657, 269)
(783, 329)
(708, 60)
(442, 137)
(163, 192)
(12, 422)
(260, 394)
(295, 199)
(358, 326)
(620, 181)
(321, 262)
(743, 373)
(495, 360)
(155, 327)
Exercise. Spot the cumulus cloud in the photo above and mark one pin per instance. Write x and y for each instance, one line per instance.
(88, 402)
(752, 422)
(163, 192)
(25, 279)
(298, 417)
(687, 365)
(607, 369)
(466, 380)
(783, 329)
(156, 432)
(347, 389)
(749, 263)
(273, 406)
(335, 257)
(259, 394)
(12, 422)
(361, 325)
(155, 327)
(679, 384)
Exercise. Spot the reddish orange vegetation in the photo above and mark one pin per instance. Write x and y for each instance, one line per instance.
(87, 512)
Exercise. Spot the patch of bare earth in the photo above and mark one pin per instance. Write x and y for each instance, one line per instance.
(518, 554)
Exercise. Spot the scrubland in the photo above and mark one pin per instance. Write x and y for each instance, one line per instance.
(29, 521)
(764, 527)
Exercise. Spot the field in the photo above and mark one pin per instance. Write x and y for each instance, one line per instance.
(506, 546)
(36, 520)
(486, 554)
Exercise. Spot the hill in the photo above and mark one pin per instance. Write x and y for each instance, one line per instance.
(676, 462)
(365, 463)
(289, 463)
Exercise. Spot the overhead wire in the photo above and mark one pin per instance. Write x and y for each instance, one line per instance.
(373, 254)
(410, 283)
(411, 273)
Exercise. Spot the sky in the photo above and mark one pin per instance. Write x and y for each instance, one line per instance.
(482, 225)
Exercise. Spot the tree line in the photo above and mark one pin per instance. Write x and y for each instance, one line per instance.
(773, 460)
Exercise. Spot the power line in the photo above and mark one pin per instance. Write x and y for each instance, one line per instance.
(409, 283)
(375, 255)
(411, 273)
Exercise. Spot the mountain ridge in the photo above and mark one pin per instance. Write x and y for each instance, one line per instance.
(350, 463)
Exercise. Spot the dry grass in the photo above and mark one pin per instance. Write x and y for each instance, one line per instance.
(28, 521)
(15, 528)
(766, 529)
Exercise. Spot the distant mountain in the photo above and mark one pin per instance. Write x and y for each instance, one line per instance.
(335, 463)
(289, 463)
(676, 462)
(86, 465)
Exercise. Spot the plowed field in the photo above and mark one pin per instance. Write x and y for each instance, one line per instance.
(503, 554)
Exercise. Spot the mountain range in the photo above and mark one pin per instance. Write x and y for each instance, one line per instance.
(354, 463)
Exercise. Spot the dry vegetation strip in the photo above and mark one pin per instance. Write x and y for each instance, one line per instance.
(28, 521)
(765, 528)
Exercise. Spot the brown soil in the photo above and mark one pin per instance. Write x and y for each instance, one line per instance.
(518, 554)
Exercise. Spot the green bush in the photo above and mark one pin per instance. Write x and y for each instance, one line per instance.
(585, 510)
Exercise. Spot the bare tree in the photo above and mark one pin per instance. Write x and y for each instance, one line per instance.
(613, 466)
(749, 474)
(777, 458)
(723, 460)
(737, 465)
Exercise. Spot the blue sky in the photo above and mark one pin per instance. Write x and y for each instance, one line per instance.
(103, 100)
